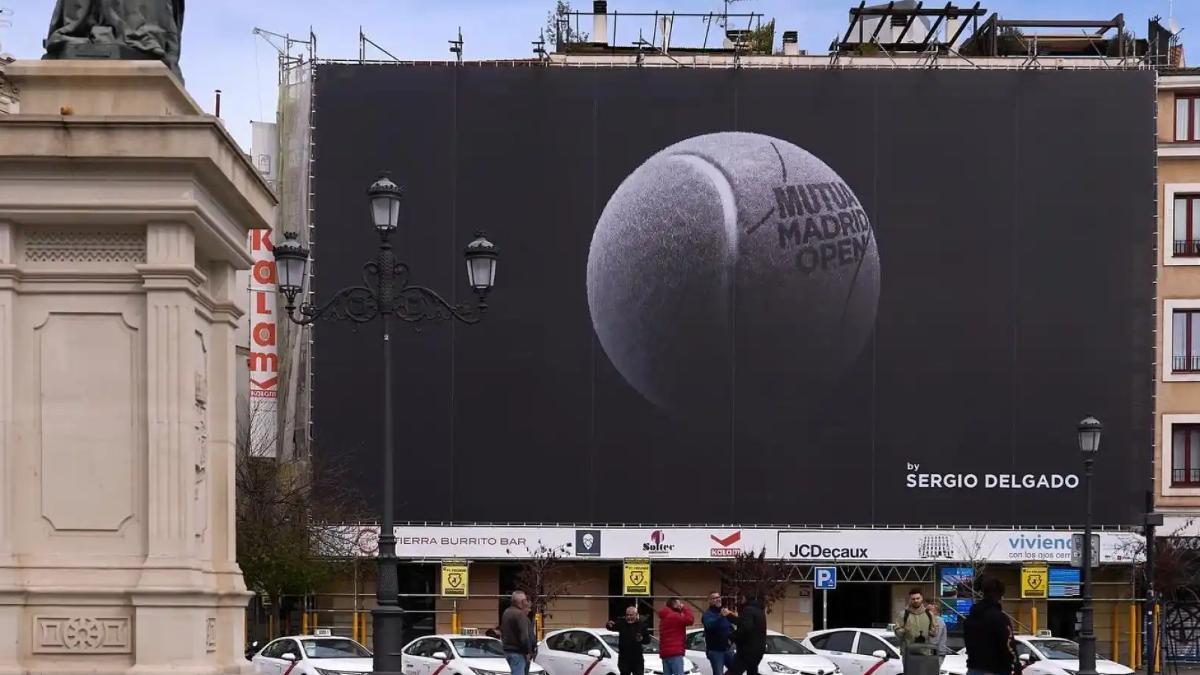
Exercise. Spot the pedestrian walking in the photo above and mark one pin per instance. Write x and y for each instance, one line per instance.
(673, 621)
(516, 634)
(937, 631)
(749, 636)
(632, 634)
(717, 631)
(914, 625)
(988, 634)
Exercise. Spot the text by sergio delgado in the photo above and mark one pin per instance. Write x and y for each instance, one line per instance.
(915, 478)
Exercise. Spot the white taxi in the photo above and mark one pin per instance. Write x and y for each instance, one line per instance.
(319, 654)
(593, 651)
(1042, 654)
(783, 656)
(859, 651)
(456, 655)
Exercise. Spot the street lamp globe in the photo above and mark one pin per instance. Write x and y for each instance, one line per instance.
(385, 197)
(1089, 436)
(481, 257)
(290, 260)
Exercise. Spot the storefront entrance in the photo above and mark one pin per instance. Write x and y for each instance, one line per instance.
(857, 605)
(1063, 618)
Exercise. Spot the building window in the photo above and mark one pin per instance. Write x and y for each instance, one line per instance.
(1187, 230)
(1187, 118)
(1185, 341)
(1185, 454)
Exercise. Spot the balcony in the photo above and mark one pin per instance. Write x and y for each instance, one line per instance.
(1187, 248)
(1185, 364)
(1185, 477)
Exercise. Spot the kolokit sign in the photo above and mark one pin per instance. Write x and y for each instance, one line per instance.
(748, 292)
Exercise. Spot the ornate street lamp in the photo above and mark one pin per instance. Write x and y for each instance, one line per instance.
(1089, 446)
(386, 294)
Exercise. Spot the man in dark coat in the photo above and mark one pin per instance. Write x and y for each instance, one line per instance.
(717, 631)
(749, 636)
(988, 634)
(632, 634)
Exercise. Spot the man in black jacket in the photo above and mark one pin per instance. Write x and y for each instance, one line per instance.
(632, 634)
(749, 636)
(988, 635)
(517, 635)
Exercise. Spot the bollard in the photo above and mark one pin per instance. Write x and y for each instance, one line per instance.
(1116, 635)
(1133, 636)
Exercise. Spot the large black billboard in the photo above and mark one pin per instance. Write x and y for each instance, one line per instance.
(748, 296)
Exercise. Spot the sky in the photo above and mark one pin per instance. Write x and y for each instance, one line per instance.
(221, 52)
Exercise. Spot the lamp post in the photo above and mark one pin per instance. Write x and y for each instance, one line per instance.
(386, 293)
(1089, 445)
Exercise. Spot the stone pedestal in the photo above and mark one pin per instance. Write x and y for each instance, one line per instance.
(124, 212)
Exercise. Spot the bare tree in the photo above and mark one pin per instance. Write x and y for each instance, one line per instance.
(754, 575)
(293, 517)
(543, 577)
(558, 25)
(976, 558)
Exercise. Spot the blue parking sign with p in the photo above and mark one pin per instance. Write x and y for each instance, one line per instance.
(825, 578)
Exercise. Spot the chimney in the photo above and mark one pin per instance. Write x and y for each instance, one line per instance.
(791, 43)
(600, 22)
(664, 29)
(951, 27)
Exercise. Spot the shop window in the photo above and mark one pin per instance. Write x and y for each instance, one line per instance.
(508, 584)
(617, 603)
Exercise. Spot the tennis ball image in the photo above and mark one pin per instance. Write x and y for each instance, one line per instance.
(733, 266)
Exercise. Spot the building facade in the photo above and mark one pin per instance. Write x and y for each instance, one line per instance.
(877, 566)
(1177, 493)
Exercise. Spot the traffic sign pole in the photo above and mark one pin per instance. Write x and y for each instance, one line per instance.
(824, 609)
(824, 579)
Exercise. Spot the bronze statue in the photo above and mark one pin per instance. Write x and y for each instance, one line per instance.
(117, 29)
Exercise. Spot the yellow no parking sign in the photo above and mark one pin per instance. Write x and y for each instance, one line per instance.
(1035, 581)
(637, 576)
(455, 579)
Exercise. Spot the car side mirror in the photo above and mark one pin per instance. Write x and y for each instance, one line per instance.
(288, 657)
(594, 653)
(440, 656)
(880, 654)
(1023, 658)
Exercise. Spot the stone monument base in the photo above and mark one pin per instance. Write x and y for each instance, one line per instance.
(124, 214)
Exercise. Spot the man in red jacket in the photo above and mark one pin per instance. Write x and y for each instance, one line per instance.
(673, 621)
